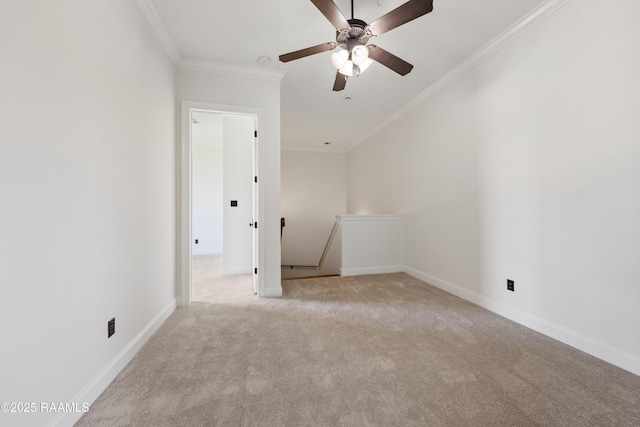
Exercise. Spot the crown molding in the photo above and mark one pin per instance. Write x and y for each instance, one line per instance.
(325, 150)
(159, 29)
(537, 15)
(191, 64)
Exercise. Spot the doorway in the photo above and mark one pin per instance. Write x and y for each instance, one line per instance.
(219, 194)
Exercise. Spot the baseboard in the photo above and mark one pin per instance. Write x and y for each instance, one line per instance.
(359, 271)
(589, 345)
(100, 382)
(207, 252)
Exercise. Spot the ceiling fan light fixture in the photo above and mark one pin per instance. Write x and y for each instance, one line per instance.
(359, 54)
(359, 69)
(365, 65)
(339, 59)
(347, 70)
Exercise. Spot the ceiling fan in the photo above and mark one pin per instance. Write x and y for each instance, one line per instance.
(352, 36)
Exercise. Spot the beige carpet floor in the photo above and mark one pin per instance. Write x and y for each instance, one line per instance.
(208, 284)
(379, 350)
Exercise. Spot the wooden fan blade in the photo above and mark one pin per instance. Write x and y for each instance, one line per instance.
(389, 60)
(329, 9)
(340, 83)
(307, 52)
(401, 15)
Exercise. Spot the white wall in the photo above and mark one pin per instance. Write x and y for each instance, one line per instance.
(207, 198)
(526, 167)
(263, 94)
(238, 131)
(371, 244)
(314, 191)
(87, 186)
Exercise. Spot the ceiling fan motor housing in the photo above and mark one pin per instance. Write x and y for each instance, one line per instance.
(352, 36)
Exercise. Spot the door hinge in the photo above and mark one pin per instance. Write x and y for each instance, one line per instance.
(255, 270)
(255, 133)
(255, 224)
(255, 179)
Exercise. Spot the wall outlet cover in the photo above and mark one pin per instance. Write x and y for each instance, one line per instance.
(111, 327)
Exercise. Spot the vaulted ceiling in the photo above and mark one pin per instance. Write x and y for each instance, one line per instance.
(239, 32)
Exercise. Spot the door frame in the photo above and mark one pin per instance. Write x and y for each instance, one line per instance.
(183, 272)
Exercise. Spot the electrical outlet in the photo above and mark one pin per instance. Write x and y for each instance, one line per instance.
(510, 285)
(111, 327)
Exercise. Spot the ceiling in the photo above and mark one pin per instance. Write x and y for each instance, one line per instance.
(239, 32)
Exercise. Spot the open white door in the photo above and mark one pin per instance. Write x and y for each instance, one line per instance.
(238, 194)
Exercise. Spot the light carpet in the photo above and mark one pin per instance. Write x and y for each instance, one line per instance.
(378, 350)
